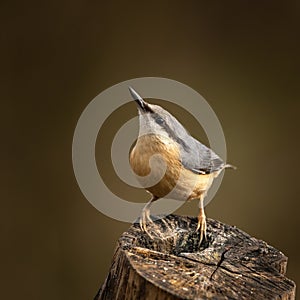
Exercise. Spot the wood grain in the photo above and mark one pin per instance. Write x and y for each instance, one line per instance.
(230, 264)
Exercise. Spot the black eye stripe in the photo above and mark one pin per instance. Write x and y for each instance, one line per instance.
(159, 120)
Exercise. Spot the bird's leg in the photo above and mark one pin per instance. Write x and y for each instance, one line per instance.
(201, 221)
(145, 216)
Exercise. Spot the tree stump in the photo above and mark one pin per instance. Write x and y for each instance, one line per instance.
(229, 264)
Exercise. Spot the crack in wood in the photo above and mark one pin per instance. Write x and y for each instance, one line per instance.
(230, 265)
(219, 264)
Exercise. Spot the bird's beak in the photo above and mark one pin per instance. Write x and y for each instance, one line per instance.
(142, 104)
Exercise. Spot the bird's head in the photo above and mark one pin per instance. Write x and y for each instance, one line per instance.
(155, 119)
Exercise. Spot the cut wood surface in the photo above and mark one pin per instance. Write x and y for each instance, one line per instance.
(229, 264)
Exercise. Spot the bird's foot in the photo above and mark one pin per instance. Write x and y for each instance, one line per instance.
(201, 227)
(145, 219)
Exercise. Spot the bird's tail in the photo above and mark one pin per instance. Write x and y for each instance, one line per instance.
(228, 166)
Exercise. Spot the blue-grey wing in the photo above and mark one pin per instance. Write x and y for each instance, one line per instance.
(198, 158)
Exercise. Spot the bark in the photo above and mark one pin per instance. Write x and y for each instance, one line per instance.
(229, 264)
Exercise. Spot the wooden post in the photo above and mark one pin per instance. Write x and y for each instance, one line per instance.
(230, 264)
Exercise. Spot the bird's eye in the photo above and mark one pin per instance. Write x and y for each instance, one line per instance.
(159, 120)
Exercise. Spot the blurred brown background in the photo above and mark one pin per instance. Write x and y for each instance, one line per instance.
(56, 56)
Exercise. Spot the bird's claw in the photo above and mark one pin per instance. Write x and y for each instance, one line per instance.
(144, 220)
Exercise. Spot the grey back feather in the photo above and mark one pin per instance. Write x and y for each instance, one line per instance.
(194, 155)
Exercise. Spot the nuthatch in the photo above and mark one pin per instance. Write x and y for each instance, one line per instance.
(190, 167)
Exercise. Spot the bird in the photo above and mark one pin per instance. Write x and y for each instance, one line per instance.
(189, 166)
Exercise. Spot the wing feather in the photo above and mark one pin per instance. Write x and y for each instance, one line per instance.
(198, 158)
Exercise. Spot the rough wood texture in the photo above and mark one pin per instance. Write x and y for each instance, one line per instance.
(230, 264)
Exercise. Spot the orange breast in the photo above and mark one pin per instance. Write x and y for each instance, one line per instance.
(177, 182)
